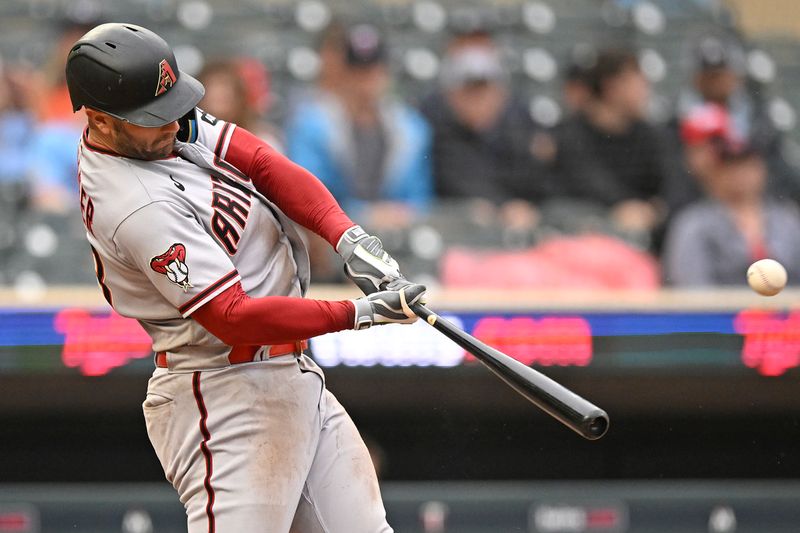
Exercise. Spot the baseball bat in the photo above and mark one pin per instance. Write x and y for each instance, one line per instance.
(575, 412)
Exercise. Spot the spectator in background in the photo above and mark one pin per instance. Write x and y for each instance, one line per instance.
(575, 90)
(486, 145)
(371, 150)
(53, 161)
(701, 131)
(606, 153)
(231, 97)
(332, 48)
(713, 240)
(719, 78)
(16, 130)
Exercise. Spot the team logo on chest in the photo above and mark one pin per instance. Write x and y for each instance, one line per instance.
(172, 264)
(166, 77)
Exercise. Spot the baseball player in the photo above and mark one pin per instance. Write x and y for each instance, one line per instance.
(191, 224)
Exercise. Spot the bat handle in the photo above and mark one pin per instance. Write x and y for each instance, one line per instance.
(423, 312)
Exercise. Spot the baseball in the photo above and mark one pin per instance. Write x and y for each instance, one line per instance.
(767, 277)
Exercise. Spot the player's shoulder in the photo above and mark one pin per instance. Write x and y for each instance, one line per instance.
(120, 186)
(204, 128)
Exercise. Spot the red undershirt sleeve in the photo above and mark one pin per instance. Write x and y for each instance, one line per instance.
(237, 319)
(296, 191)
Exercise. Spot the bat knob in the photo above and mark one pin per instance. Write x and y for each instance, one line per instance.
(595, 425)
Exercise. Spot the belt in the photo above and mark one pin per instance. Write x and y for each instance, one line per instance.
(246, 354)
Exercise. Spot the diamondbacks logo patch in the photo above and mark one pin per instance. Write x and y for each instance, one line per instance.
(166, 77)
(172, 264)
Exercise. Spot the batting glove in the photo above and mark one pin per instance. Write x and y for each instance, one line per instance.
(390, 306)
(366, 262)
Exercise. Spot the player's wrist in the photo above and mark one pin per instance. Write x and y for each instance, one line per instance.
(370, 267)
(393, 306)
(364, 317)
(349, 239)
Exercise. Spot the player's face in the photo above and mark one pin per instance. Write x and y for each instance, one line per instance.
(143, 143)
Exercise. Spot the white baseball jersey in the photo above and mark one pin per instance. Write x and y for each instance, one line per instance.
(169, 235)
(259, 447)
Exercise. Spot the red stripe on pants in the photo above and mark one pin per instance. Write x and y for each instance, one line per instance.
(201, 406)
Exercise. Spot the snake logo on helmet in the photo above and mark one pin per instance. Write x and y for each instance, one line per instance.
(166, 78)
(115, 67)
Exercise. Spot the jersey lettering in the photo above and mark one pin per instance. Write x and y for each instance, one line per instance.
(100, 270)
(229, 206)
(231, 209)
(87, 210)
(226, 233)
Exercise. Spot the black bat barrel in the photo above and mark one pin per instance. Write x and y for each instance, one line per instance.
(573, 411)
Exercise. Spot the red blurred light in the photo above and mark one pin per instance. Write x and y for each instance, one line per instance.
(549, 341)
(15, 522)
(602, 518)
(97, 344)
(771, 340)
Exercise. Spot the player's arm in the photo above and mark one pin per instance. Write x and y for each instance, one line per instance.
(295, 190)
(169, 246)
(236, 319)
(305, 199)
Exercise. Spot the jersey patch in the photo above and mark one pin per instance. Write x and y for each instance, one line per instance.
(172, 264)
(166, 77)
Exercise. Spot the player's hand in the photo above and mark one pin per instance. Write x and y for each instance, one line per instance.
(366, 262)
(390, 306)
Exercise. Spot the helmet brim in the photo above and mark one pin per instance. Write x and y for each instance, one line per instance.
(169, 107)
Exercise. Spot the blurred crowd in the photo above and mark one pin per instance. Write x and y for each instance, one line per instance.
(463, 183)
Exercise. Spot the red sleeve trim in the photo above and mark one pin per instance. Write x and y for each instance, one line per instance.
(221, 140)
(209, 292)
(220, 151)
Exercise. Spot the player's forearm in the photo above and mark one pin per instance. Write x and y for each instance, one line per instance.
(237, 319)
(296, 191)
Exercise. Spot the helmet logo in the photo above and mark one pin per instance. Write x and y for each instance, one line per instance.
(166, 78)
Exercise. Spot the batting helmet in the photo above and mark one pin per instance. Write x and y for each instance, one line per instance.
(130, 73)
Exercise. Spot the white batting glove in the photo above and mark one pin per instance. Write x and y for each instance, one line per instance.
(389, 307)
(366, 262)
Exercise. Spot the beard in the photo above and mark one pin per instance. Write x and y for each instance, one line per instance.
(134, 148)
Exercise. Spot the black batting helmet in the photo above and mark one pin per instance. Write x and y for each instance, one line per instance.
(130, 73)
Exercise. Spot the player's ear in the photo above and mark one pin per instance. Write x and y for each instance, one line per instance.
(99, 121)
